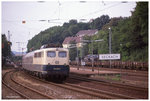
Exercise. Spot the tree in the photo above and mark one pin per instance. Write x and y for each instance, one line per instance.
(140, 25)
(6, 49)
(113, 22)
(73, 22)
(57, 34)
(99, 22)
(73, 29)
(73, 51)
(6, 46)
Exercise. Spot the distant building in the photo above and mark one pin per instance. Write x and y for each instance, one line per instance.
(67, 41)
(78, 38)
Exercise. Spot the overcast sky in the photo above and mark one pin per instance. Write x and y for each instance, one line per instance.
(42, 15)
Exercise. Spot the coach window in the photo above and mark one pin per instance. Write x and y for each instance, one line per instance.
(39, 54)
(51, 53)
(62, 54)
(35, 55)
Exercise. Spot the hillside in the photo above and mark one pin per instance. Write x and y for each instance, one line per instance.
(57, 34)
(129, 35)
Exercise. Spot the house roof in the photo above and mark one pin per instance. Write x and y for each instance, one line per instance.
(87, 32)
(69, 39)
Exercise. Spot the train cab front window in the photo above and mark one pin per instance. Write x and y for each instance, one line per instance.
(51, 54)
(62, 54)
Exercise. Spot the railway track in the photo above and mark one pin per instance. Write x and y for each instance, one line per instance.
(23, 90)
(104, 93)
(127, 72)
(88, 91)
(96, 94)
(11, 88)
(122, 87)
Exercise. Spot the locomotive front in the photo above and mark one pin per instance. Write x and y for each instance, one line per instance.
(56, 63)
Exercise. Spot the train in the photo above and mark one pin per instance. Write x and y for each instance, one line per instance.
(51, 63)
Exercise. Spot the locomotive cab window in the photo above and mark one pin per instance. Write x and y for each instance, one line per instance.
(51, 54)
(62, 54)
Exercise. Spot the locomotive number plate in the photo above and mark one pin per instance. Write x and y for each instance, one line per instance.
(56, 68)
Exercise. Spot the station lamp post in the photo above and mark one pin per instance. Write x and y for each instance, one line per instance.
(110, 33)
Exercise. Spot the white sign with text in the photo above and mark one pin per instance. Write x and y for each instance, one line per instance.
(109, 56)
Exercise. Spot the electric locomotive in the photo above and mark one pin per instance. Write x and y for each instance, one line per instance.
(48, 63)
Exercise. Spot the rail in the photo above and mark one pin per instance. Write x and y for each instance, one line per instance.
(88, 91)
(22, 85)
(7, 85)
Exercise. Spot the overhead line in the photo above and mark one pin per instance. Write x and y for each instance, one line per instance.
(100, 10)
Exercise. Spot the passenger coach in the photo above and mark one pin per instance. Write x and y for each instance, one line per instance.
(48, 63)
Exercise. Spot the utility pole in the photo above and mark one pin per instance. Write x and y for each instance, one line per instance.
(9, 35)
(110, 45)
(22, 51)
(77, 58)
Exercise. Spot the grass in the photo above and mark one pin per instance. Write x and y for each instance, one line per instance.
(114, 78)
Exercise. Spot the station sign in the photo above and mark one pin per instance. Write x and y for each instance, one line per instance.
(109, 56)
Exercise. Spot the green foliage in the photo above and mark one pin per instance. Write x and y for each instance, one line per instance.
(73, 51)
(139, 23)
(16, 58)
(113, 22)
(129, 35)
(57, 34)
(99, 22)
(6, 47)
(85, 50)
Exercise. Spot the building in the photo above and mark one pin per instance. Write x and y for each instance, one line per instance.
(68, 40)
(78, 38)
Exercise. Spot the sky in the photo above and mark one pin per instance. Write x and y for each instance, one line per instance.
(39, 16)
